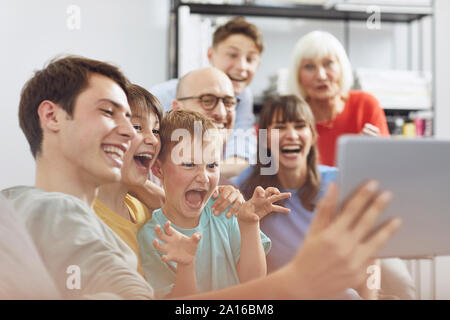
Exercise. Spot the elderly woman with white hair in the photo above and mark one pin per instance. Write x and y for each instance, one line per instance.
(320, 72)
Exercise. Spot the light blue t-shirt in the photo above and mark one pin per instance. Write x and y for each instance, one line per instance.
(287, 231)
(217, 253)
(242, 141)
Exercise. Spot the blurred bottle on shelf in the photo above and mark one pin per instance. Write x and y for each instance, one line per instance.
(409, 130)
(412, 124)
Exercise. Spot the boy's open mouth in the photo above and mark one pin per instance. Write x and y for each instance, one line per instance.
(143, 160)
(194, 198)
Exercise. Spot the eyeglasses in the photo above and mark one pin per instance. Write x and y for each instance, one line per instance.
(209, 101)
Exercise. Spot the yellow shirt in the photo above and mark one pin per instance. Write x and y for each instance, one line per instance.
(127, 230)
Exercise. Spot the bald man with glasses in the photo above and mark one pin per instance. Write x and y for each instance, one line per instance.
(209, 101)
(208, 91)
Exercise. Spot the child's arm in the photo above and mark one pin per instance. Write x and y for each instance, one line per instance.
(252, 261)
(150, 194)
(180, 249)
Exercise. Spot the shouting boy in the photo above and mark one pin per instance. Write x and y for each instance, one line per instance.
(232, 250)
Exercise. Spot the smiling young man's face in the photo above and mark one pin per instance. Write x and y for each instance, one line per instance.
(95, 139)
(238, 57)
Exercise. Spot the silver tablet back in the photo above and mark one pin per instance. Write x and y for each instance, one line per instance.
(417, 171)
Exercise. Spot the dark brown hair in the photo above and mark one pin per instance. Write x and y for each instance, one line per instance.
(238, 25)
(143, 103)
(287, 108)
(61, 81)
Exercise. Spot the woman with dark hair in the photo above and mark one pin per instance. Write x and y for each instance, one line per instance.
(291, 144)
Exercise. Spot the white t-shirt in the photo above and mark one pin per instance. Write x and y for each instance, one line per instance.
(85, 258)
(22, 272)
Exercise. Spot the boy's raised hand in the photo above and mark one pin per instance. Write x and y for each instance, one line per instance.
(261, 204)
(177, 247)
(227, 195)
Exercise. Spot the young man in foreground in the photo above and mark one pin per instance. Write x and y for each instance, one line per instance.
(75, 115)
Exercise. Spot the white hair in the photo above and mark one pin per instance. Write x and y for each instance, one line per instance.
(318, 44)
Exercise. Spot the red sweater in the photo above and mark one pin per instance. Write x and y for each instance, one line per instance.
(361, 108)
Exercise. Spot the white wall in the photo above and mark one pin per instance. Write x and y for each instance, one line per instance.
(132, 34)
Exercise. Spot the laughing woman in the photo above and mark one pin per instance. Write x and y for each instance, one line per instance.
(298, 173)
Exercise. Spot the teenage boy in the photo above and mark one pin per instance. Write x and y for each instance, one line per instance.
(232, 250)
(76, 118)
(74, 114)
(236, 50)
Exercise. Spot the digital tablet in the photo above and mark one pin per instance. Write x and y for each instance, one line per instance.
(417, 171)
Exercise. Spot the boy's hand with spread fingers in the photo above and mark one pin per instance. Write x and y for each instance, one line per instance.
(261, 204)
(252, 261)
(180, 249)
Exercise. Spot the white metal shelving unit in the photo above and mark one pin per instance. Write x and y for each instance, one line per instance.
(345, 11)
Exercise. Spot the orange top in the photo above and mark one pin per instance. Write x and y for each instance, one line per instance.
(361, 108)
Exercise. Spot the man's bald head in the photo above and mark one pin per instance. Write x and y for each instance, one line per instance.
(202, 78)
(207, 81)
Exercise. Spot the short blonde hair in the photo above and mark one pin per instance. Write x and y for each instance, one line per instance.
(181, 119)
(318, 44)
